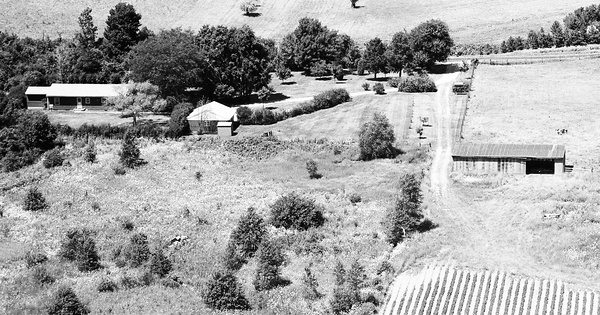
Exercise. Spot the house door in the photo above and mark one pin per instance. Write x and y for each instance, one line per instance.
(79, 103)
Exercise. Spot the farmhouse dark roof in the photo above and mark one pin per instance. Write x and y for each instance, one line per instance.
(547, 151)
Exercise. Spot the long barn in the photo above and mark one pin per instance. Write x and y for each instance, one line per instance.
(487, 158)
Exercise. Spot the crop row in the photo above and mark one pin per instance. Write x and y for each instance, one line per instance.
(450, 291)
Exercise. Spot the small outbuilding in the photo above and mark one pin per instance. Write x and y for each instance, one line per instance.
(480, 158)
(205, 119)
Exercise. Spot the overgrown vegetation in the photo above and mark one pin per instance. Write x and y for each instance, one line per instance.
(79, 246)
(406, 215)
(65, 301)
(34, 200)
(224, 292)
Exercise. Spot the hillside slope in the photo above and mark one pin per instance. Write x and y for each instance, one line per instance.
(476, 21)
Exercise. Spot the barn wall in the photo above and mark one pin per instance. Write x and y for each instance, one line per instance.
(203, 126)
(482, 165)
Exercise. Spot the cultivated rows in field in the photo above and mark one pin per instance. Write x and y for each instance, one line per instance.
(536, 56)
(445, 290)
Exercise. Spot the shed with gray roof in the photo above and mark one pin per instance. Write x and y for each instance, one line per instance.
(490, 158)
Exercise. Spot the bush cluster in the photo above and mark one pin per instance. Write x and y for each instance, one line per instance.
(379, 88)
(178, 124)
(292, 211)
(25, 136)
(34, 200)
(321, 101)
(65, 301)
(160, 265)
(141, 129)
(224, 292)
(107, 285)
(80, 247)
(416, 84)
(137, 251)
(33, 258)
(53, 158)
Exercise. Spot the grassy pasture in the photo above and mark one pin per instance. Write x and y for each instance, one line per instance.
(154, 197)
(477, 21)
(526, 104)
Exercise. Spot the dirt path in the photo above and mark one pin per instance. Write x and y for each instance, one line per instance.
(443, 144)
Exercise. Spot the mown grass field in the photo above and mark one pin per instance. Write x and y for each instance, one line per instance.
(155, 196)
(76, 119)
(476, 21)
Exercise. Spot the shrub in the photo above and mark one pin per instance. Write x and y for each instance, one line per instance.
(379, 88)
(320, 69)
(178, 124)
(310, 285)
(342, 300)
(53, 158)
(293, 211)
(406, 214)
(34, 200)
(339, 273)
(129, 156)
(160, 265)
(41, 275)
(33, 258)
(360, 66)
(330, 98)
(265, 93)
(313, 172)
(89, 153)
(119, 169)
(233, 259)
(283, 73)
(394, 82)
(249, 233)
(416, 84)
(79, 246)
(127, 225)
(224, 292)
(338, 72)
(270, 258)
(107, 285)
(137, 251)
(356, 276)
(355, 198)
(65, 301)
(376, 139)
(366, 86)
(244, 114)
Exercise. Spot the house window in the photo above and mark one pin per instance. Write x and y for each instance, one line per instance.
(57, 101)
(87, 101)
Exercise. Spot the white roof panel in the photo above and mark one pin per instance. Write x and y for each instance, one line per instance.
(37, 90)
(212, 111)
(85, 90)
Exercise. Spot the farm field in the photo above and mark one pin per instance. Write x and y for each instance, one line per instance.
(477, 21)
(154, 198)
(446, 290)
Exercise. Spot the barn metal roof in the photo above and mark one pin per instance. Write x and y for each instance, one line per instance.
(548, 151)
(212, 111)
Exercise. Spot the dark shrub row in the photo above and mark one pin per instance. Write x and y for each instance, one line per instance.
(323, 100)
(148, 130)
(417, 83)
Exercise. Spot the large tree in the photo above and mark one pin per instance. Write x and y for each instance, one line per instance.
(137, 98)
(399, 53)
(237, 61)
(431, 39)
(375, 56)
(169, 60)
(309, 43)
(86, 37)
(122, 30)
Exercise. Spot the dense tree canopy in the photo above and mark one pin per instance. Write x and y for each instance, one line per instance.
(375, 56)
(169, 60)
(309, 43)
(431, 39)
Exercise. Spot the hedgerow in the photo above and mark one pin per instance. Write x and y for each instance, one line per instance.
(321, 101)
